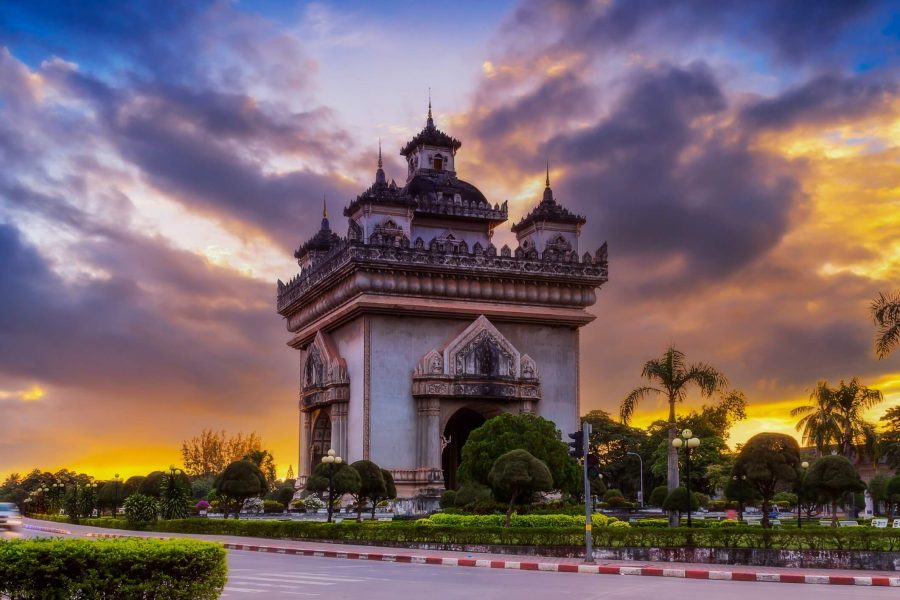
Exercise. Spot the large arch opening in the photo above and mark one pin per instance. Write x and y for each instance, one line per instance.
(456, 433)
(321, 439)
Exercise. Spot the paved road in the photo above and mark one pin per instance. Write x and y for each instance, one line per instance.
(254, 575)
(280, 576)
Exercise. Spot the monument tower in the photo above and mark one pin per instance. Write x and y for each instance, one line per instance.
(413, 328)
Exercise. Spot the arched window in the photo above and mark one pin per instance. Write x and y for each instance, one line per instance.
(438, 162)
(321, 439)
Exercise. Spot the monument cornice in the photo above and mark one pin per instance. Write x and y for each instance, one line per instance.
(353, 269)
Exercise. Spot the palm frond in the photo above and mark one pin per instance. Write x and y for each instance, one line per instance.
(706, 377)
(626, 410)
(887, 341)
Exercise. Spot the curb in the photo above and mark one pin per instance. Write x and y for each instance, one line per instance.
(46, 529)
(122, 535)
(881, 581)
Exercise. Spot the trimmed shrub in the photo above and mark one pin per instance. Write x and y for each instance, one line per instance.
(612, 493)
(123, 569)
(272, 506)
(471, 493)
(140, 508)
(658, 496)
(677, 500)
(448, 499)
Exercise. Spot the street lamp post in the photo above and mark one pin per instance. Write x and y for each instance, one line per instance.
(689, 442)
(331, 459)
(741, 494)
(804, 466)
(642, 475)
(116, 496)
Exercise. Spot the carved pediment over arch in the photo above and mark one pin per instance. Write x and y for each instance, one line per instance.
(324, 378)
(479, 362)
(389, 233)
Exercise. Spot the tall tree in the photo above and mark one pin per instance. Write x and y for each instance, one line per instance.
(830, 478)
(886, 312)
(612, 442)
(889, 441)
(673, 376)
(835, 418)
(768, 460)
(210, 452)
(266, 463)
(818, 422)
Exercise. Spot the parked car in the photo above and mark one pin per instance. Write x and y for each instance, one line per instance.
(10, 517)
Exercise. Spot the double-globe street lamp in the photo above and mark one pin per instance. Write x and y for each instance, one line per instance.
(331, 459)
(804, 465)
(689, 442)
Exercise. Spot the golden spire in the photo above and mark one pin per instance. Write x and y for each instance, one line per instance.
(429, 102)
(547, 181)
(380, 164)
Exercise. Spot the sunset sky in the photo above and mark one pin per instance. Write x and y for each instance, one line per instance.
(162, 160)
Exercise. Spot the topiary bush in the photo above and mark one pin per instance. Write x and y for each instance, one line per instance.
(272, 507)
(677, 500)
(123, 569)
(140, 509)
(448, 499)
(658, 496)
(470, 493)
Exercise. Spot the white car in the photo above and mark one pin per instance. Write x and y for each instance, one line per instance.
(10, 517)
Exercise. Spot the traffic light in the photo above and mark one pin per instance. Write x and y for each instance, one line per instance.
(577, 444)
(593, 466)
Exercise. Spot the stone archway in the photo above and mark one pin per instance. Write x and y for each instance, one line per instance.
(456, 432)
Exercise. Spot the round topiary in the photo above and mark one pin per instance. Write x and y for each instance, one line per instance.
(658, 496)
(448, 499)
(677, 500)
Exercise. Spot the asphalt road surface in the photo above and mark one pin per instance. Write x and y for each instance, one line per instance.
(281, 576)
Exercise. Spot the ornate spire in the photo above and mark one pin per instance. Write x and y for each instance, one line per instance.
(548, 193)
(430, 121)
(379, 173)
(325, 225)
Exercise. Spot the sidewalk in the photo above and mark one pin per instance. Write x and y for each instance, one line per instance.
(504, 561)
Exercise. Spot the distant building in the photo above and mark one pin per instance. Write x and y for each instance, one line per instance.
(413, 328)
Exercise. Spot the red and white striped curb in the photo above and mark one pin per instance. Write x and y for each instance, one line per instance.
(47, 529)
(582, 568)
(122, 535)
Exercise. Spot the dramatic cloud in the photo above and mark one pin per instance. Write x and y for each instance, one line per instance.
(160, 164)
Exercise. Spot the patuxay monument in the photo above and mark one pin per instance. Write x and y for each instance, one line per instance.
(412, 328)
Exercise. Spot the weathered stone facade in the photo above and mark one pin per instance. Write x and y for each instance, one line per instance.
(413, 328)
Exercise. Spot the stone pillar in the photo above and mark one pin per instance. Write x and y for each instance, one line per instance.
(428, 434)
(339, 434)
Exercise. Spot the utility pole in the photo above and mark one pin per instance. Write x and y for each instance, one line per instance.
(588, 540)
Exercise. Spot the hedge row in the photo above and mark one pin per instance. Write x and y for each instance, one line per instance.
(122, 569)
(517, 520)
(614, 536)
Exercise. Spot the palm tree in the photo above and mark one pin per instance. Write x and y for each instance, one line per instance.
(835, 417)
(819, 423)
(851, 400)
(886, 311)
(672, 376)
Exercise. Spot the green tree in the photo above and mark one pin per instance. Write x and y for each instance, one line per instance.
(835, 418)
(518, 474)
(532, 433)
(658, 496)
(132, 485)
(677, 501)
(889, 441)
(739, 490)
(140, 508)
(831, 477)
(240, 480)
(878, 490)
(472, 492)
(886, 312)
(372, 485)
(672, 376)
(174, 495)
(768, 460)
(346, 480)
(266, 463)
(892, 491)
(390, 490)
(612, 442)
